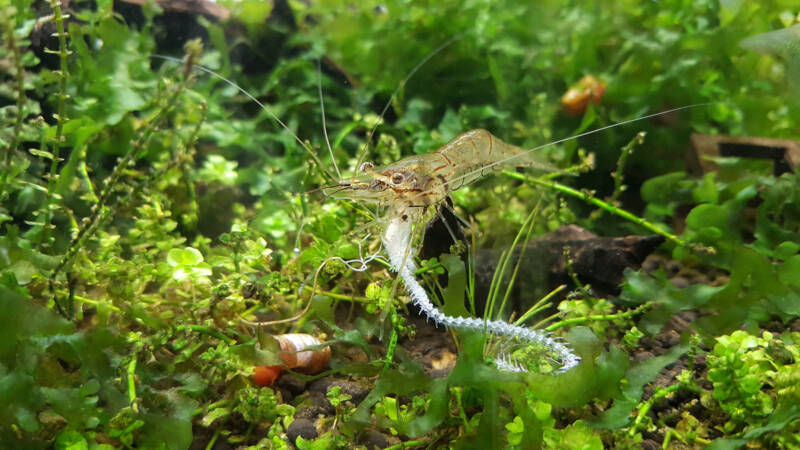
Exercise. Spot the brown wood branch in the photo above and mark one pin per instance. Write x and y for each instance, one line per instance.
(205, 8)
(784, 153)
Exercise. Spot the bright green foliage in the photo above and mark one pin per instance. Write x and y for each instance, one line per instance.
(576, 436)
(259, 405)
(217, 168)
(188, 264)
(751, 374)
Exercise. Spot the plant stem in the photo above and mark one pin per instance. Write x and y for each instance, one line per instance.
(584, 288)
(335, 296)
(20, 73)
(659, 393)
(60, 119)
(392, 341)
(206, 330)
(132, 383)
(538, 306)
(598, 317)
(96, 303)
(461, 413)
(407, 444)
(623, 157)
(591, 199)
(214, 438)
(525, 231)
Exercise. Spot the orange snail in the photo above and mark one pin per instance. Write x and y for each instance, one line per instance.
(294, 356)
(577, 98)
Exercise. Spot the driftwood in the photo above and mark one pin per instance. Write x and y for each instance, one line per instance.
(599, 261)
(784, 153)
(596, 260)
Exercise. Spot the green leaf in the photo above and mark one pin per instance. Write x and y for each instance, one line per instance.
(14, 248)
(406, 380)
(71, 440)
(23, 270)
(26, 419)
(213, 415)
(114, 75)
(786, 249)
(778, 421)
(640, 287)
(577, 436)
(357, 336)
(79, 131)
(184, 257)
(706, 191)
(789, 271)
(253, 356)
(456, 289)
(40, 153)
(638, 375)
(169, 428)
(598, 374)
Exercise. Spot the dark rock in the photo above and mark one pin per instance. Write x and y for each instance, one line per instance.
(599, 261)
(679, 282)
(669, 338)
(681, 321)
(301, 427)
(672, 268)
(321, 404)
(374, 439)
(649, 444)
(357, 354)
(285, 395)
(652, 263)
(291, 383)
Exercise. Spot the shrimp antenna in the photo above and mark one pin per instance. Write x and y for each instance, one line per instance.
(577, 136)
(257, 102)
(401, 86)
(324, 123)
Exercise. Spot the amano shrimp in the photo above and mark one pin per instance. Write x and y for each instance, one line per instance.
(410, 185)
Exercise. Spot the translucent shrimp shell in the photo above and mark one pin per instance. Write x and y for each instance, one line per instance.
(424, 180)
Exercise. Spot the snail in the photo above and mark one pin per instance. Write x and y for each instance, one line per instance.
(577, 98)
(294, 356)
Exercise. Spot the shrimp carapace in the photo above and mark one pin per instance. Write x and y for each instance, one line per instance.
(426, 180)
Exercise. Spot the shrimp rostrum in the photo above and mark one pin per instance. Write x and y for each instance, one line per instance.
(408, 186)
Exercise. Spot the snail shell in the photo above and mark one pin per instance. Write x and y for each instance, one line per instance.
(295, 355)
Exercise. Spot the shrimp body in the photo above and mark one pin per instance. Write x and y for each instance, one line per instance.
(425, 180)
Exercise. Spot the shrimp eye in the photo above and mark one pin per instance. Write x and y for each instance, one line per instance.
(398, 178)
(365, 166)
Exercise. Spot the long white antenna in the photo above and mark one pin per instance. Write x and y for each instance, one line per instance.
(401, 86)
(257, 102)
(324, 123)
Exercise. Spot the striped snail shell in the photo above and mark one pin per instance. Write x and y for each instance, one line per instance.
(295, 356)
